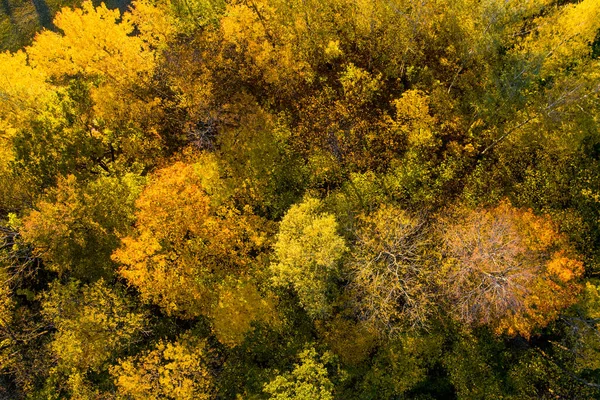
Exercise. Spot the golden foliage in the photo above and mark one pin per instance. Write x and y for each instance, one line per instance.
(391, 281)
(98, 44)
(563, 37)
(177, 370)
(187, 242)
(154, 22)
(239, 306)
(23, 90)
(360, 87)
(268, 45)
(92, 322)
(413, 118)
(92, 42)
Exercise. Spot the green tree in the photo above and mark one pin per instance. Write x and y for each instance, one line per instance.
(308, 380)
(308, 249)
(76, 227)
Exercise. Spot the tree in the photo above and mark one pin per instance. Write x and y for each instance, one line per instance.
(17, 188)
(391, 280)
(352, 341)
(239, 307)
(266, 173)
(562, 38)
(176, 370)
(84, 95)
(308, 380)
(76, 226)
(507, 268)
(474, 367)
(401, 364)
(280, 175)
(308, 250)
(25, 90)
(192, 250)
(6, 317)
(263, 35)
(583, 336)
(41, 136)
(93, 324)
(23, 332)
(93, 41)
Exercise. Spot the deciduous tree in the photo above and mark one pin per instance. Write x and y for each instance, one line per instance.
(308, 380)
(93, 324)
(76, 226)
(507, 268)
(308, 250)
(176, 370)
(392, 283)
(189, 240)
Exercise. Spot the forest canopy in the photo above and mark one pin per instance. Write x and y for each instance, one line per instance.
(300, 199)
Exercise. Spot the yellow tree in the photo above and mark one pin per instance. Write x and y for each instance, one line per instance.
(265, 37)
(562, 39)
(94, 43)
(84, 92)
(192, 252)
(16, 186)
(76, 226)
(176, 370)
(92, 323)
(240, 305)
(24, 90)
(26, 97)
(392, 283)
(308, 380)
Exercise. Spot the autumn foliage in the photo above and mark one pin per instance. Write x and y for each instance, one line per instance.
(268, 199)
(508, 268)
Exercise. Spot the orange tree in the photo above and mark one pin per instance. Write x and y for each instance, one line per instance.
(507, 268)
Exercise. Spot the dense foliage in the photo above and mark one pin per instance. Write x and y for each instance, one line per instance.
(300, 199)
